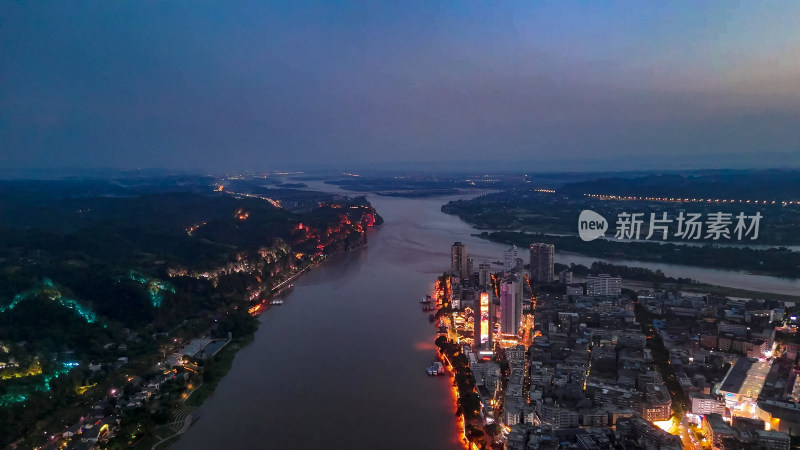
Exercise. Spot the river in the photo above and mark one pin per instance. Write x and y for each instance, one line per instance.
(340, 365)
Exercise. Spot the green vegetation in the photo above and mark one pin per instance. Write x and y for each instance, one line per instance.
(469, 403)
(659, 280)
(627, 273)
(530, 210)
(214, 369)
(772, 184)
(426, 186)
(522, 216)
(725, 291)
(91, 272)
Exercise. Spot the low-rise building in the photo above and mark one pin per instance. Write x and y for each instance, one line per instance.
(715, 429)
(658, 404)
(645, 432)
(558, 416)
(603, 284)
(705, 404)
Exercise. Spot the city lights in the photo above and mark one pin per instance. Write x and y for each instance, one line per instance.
(484, 328)
(691, 200)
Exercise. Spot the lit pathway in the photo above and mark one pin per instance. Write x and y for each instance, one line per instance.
(183, 419)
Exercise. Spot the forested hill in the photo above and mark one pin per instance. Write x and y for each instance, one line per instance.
(91, 271)
(72, 233)
(762, 185)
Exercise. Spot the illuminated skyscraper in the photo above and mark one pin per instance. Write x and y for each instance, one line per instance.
(483, 325)
(458, 262)
(542, 262)
(510, 305)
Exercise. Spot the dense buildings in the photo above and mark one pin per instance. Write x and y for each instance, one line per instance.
(559, 416)
(604, 370)
(647, 435)
(542, 263)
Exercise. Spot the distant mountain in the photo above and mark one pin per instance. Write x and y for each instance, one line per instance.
(754, 185)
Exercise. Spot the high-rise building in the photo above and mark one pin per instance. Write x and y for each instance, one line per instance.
(484, 273)
(510, 258)
(458, 264)
(542, 263)
(603, 284)
(510, 305)
(483, 323)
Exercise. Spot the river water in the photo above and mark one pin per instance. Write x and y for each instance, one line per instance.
(340, 365)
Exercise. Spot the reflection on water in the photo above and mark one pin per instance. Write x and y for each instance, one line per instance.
(341, 364)
(336, 269)
(436, 239)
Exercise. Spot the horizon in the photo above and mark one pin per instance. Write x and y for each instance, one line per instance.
(99, 173)
(554, 85)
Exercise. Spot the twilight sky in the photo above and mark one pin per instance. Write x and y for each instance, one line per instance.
(278, 85)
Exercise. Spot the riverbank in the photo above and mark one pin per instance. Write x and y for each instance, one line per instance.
(338, 318)
(637, 278)
(703, 288)
(223, 360)
(733, 292)
(772, 262)
(195, 377)
(352, 310)
(222, 363)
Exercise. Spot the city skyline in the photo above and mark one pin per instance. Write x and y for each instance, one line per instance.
(238, 214)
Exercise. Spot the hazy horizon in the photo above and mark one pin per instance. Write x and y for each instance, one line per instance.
(548, 86)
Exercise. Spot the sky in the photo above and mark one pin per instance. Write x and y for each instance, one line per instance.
(230, 85)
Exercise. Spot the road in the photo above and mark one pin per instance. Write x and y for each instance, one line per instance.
(687, 438)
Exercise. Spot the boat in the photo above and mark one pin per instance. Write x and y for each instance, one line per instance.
(276, 302)
(436, 369)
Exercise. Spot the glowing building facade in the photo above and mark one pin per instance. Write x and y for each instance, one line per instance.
(483, 336)
(510, 305)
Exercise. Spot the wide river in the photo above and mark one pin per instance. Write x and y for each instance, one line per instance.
(341, 364)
